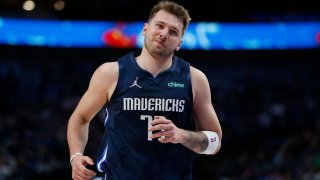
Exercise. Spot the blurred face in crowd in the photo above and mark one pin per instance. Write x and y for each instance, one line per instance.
(163, 34)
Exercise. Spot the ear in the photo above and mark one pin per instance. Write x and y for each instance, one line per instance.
(145, 27)
(178, 47)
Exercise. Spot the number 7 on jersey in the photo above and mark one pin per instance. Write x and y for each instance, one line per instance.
(150, 119)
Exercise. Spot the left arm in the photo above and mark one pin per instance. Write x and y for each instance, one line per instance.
(204, 114)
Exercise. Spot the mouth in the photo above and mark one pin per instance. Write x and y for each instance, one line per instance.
(159, 43)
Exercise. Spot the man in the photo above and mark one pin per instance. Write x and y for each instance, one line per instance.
(158, 109)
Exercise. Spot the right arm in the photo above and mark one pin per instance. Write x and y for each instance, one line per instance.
(101, 87)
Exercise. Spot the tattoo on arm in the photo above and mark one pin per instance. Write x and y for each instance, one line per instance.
(196, 141)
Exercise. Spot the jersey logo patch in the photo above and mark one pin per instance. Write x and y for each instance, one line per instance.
(175, 85)
(213, 140)
(135, 83)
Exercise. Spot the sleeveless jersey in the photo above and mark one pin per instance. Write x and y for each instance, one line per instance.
(127, 152)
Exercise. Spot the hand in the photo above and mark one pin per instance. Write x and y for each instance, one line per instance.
(168, 132)
(79, 170)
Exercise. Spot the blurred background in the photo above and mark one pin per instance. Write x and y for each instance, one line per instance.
(266, 94)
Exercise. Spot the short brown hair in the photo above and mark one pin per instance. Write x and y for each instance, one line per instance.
(173, 8)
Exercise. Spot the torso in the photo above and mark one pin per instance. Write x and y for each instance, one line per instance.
(138, 96)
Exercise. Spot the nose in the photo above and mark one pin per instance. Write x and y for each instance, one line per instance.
(163, 36)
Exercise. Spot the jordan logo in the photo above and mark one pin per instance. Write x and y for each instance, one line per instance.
(135, 83)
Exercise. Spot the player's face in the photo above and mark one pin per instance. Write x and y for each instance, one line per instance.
(163, 34)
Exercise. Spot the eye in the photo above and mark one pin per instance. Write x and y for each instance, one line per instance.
(173, 33)
(159, 25)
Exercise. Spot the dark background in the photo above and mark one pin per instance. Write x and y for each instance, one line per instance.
(267, 101)
(200, 10)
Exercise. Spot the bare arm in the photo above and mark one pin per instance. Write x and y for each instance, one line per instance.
(101, 86)
(204, 114)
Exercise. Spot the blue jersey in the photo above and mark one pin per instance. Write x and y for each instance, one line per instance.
(127, 152)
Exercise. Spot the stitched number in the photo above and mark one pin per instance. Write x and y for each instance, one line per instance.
(149, 118)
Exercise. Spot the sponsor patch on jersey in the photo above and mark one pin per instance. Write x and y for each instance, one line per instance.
(175, 85)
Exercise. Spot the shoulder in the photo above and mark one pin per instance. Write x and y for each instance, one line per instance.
(108, 66)
(197, 76)
(107, 69)
(104, 79)
(200, 83)
(106, 73)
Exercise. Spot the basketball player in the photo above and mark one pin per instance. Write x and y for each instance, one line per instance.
(158, 109)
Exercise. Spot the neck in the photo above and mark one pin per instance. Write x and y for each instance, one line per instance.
(153, 64)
